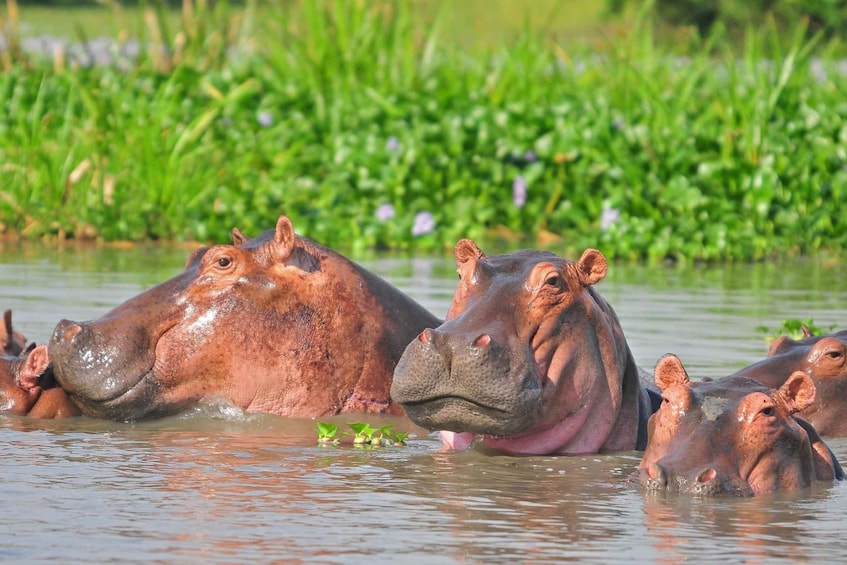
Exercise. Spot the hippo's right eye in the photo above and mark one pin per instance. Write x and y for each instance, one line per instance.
(224, 262)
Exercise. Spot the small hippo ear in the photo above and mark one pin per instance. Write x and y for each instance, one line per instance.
(798, 391)
(669, 372)
(467, 250)
(284, 238)
(591, 267)
(238, 238)
(806, 331)
(34, 366)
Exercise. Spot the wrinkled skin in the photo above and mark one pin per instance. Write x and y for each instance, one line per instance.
(824, 358)
(275, 324)
(732, 435)
(27, 387)
(531, 360)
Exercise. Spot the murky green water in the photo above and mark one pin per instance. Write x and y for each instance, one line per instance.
(214, 485)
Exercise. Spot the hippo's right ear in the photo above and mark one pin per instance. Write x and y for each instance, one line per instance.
(669, 372)
(592, 267)
(34, 366)
(798, 391)
(284, 238)
(467, 250)
(238, 238)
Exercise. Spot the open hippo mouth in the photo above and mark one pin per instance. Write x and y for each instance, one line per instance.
(103, 379)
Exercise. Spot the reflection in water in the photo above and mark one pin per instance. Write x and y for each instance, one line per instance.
(218, 485)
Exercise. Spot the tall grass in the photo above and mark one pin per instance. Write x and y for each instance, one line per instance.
(357, 121)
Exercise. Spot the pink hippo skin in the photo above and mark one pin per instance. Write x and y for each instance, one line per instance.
(531, 360)
(276, 324)
(732, 435)
(25, 386)
(822, 357)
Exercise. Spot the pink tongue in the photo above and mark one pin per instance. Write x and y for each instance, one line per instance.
(456, 441)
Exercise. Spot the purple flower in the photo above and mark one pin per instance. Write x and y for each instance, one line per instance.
(393, 144)
(609, 217)
(519, 191)
(385, 212)
(530, 156)
(424, 224)
(265, 119)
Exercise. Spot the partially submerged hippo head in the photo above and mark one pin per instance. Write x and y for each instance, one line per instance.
(27, 386)
(275, 324)
(732, 435)
(822, 357)
(531, 360)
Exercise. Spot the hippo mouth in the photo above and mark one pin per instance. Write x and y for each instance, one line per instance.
(133, 402)
(460, 414)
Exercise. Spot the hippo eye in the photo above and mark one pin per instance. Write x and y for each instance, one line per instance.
(552, 281)
(833, 354)
(769, 411)
(224, 262)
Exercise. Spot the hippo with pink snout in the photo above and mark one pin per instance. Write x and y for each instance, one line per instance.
(531, 360)
(276, 324)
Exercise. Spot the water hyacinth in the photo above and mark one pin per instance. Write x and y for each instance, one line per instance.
(609, 218)
(424, 224)
(519, 192)
(385, 212)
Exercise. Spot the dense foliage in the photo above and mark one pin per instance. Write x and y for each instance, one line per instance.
(369, 132)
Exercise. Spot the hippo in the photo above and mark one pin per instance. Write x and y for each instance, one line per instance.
(822, 357)
(732, 435)
(276, 324)
(531, 360)
(27, 387)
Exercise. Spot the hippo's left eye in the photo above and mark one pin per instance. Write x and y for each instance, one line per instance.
(769, 411)
(224, 262)
(552, 281)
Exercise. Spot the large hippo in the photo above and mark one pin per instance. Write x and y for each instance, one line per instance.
(27, 387)
(732, 435)
(276, 324)
(531, 360)
(822, 357)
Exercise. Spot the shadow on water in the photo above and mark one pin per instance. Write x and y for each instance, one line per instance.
(215, 484)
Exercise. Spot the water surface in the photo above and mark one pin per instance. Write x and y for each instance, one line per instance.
(220, 486)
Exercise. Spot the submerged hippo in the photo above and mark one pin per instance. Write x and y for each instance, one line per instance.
(276, 324)
(822, 357)
(531, 360)
(733, 435)
(27, 386)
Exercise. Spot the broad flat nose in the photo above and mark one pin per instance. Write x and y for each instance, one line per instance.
(66, 331)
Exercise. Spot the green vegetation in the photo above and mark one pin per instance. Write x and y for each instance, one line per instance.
(363, 435)
(795, 329)
(373, 125)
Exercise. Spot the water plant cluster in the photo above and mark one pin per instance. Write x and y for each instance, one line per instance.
(372, 130)
(363, 435)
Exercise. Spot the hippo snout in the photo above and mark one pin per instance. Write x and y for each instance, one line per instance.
(466, 382)
(655, 477)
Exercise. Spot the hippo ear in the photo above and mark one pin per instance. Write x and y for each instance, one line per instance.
(798, 391)
(591, 267)
(806, 331)
(238, 238)
(670, 372)
(467, 250)
(35, 364)
(778, 344)
(284, 238)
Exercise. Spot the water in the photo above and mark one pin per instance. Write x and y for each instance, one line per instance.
(219, 486)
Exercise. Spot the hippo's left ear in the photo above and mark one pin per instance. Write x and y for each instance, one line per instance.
(283, 243)
(798, 391)
(238, 238)
(669, 372)
(591, 267)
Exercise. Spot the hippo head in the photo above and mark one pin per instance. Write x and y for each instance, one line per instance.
(21, 379)
(822, 357)
(530, 360)
(275, 324)
(732, 435)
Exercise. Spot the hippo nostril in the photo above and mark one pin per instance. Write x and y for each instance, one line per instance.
(482, 340)
(425, 336)
(707, 476)
(656, 477)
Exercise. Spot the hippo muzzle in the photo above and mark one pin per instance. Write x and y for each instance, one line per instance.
(87, 367)
(466, 384)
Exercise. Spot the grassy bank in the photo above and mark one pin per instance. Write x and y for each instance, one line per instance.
(372, 126)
